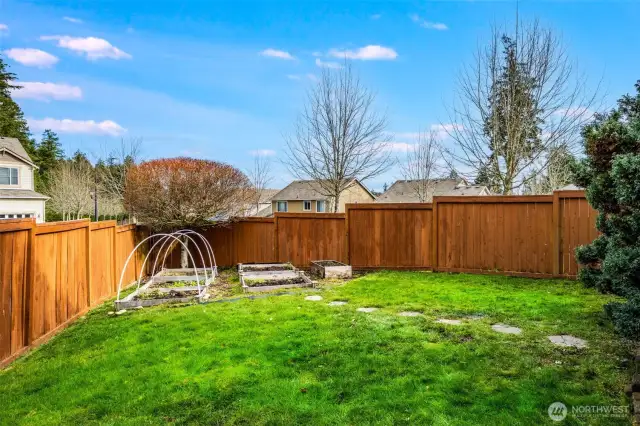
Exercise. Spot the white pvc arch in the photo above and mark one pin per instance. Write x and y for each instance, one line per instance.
(187, 232)
(186, 247)
(135, 249)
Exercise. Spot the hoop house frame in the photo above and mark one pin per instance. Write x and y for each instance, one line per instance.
(164, 285)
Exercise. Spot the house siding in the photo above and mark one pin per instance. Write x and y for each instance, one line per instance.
(25, 179)
(15, 205)
(355, 194)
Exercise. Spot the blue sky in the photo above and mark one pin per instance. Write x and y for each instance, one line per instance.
(193, 78)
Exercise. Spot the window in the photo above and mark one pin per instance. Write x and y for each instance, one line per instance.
(281, 206)
(320, 206)
(8, 176)
(306, 206)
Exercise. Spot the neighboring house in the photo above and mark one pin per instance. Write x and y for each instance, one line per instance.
(17, 198)
(263, 207)
(305, 196)
(403, 191)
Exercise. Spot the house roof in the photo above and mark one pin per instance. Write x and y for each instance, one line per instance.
(266, 195)
(14, 146)
(402, 190)
(306, 190)
(21, 194)
(265, 212)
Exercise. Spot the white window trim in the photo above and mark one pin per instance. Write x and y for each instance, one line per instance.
(286, 206)
(325, 206)
(11, 185)
(304, 204)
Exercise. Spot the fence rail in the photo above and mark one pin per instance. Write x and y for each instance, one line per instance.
(52, 273)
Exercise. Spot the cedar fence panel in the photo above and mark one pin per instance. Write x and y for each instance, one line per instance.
(577, 227)
(510, 234)
(395, 236)
(303, 237)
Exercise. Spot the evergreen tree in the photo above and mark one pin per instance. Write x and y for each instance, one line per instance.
(12, 122)
(611, 175)
(49, 153)
(510, 145)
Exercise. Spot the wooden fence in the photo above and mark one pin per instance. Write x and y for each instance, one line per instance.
(513, 235)
(52, 273)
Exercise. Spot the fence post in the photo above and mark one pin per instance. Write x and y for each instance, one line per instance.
(555, 235)
(434, 234)
(114, 254)
(276, 244)
(88, 263)
(347, 253)
(30, 279)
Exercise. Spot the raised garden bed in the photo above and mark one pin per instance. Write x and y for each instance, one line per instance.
(272, 276)
(330, 269)
(170, 286)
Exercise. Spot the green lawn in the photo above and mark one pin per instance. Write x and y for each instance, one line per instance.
(284, 360)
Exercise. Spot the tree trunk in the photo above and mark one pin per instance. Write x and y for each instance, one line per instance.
(336, 201)
(184, 256)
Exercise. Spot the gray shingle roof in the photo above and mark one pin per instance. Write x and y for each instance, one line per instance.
(21, 194)
(306, 190)
(14, 146)
(267, 194)
(402, 190)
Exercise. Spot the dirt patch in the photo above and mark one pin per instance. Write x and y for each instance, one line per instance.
(283, 281)
(172, 284)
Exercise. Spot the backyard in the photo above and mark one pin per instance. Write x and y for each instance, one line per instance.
(287, 360)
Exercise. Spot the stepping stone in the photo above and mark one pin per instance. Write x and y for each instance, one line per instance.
(110, 313)
(409, 314)
(121, 312)
(449, 321)
(139, 307)
(367, 310)
(568, 341)
(313, 298)
(507, 329)
(336, 303)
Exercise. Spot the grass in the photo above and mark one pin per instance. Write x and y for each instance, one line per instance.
(284, 360)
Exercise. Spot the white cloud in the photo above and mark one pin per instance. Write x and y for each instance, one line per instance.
(397, 146)
(428, 24)
(274, 53)
(323, 64)
(367, 53)
(262, 153)
(46, 91)
(73, 20)
(4, 27)
(442, 131)
(92, 47)
(67, 125)
(574, 112)
(32, 57)
(299, 77)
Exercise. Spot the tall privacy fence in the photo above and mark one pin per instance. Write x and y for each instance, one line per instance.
(52, 273)
(510, 235)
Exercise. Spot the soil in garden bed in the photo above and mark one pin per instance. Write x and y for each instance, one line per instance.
(155, 294)
(326, 263)
(180, 274)
(284, 281)
(171, 284)
(267, 268)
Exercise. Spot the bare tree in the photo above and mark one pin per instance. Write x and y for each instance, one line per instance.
(70, 186)
(260, 177)
(115, 165)
(423, 165)
(338, 135)
(520, 101)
